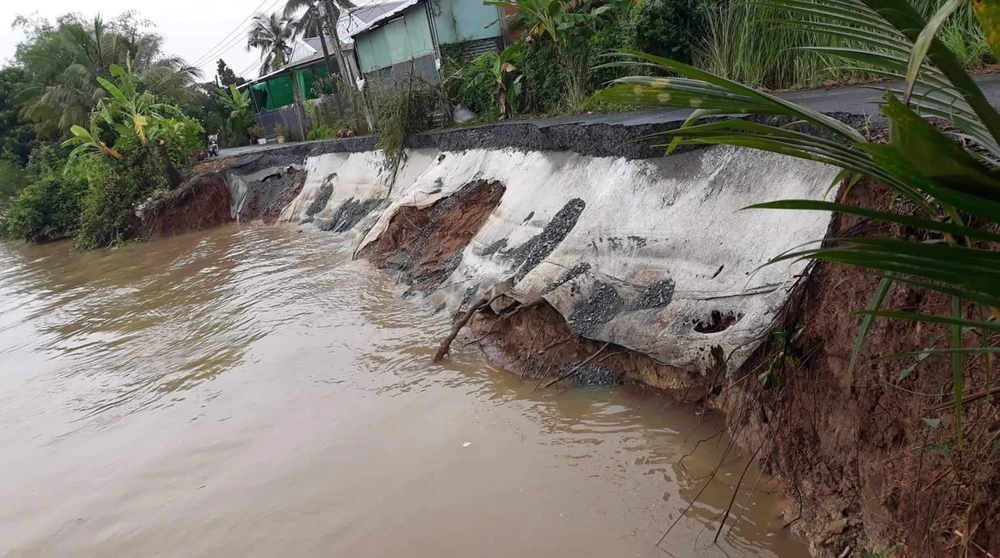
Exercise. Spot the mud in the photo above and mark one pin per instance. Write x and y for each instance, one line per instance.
(537, 343)
(200, 203)
(349, 214)
(852, 447)
(423, 246)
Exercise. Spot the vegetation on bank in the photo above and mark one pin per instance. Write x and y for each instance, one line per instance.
(94, 119)
(57, 81)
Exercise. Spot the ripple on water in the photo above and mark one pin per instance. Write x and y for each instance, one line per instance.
(192, 395)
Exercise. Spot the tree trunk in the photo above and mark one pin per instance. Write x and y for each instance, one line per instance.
(329, 69)
(299, 106)
(174, 177)
(335, 35)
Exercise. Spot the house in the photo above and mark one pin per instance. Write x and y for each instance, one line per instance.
(412, 35)
(273, 95)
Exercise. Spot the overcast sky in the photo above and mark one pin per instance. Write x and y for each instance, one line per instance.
(190, 28)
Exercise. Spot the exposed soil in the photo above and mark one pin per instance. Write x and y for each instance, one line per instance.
(200, 203)
(423, 246)
(868, 471)
(537, 343)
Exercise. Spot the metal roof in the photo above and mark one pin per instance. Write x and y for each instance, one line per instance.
(374, 14)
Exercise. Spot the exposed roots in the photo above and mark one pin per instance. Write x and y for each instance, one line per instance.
(868, 471)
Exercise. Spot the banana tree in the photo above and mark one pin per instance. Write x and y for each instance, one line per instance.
(129, 112)
(240, 114)
(957, 191)
(505, 90)
(567, 25)
(88, 141)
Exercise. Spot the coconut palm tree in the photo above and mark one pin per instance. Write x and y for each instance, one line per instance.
(65, 62)
(312, 21)
(273, 35)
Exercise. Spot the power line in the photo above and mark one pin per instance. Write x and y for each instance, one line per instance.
(240, 27)
(255, 66)
(211, 52)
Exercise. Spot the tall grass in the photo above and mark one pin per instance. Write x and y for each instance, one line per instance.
(962, 34)
(747, 42)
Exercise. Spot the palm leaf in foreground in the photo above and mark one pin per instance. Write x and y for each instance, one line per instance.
(950, 187)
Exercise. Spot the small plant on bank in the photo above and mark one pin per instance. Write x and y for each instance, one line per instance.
(500, 78)
(401, 110)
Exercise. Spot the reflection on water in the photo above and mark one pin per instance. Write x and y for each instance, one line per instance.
(254, 392)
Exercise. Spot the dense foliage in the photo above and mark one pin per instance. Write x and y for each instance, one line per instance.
(17, 135)
(64, 60)
(106, 90)
(670, 28)
(49, 207)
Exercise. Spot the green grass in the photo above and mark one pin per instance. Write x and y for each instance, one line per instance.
(747, 42)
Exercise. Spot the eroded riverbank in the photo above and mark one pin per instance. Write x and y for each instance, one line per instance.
(252, 391)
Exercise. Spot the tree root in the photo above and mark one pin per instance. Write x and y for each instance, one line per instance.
(575, 369)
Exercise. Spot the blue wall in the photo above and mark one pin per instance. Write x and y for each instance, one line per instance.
(403, 39)
(458, 21)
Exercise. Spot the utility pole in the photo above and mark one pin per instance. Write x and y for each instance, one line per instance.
(320, 11)
(327, 6)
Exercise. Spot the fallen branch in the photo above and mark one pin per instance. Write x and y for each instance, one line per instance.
(461, 323)
(446, 343)
(576, 368)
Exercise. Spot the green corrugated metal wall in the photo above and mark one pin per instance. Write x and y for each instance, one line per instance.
(277, 92)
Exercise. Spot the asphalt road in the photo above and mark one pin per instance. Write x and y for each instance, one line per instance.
(853, 100)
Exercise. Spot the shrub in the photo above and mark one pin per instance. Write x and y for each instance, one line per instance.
(117, 187)
(12, 180)
(322, 132)
(49, 208)
(477, 87)
(544, 78)
(615, 36)
(344, 108)
(182, 136)
(668, 28)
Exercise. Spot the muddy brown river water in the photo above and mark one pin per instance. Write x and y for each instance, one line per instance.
(251, 391)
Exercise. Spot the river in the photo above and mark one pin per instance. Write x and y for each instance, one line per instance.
(252, 391)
